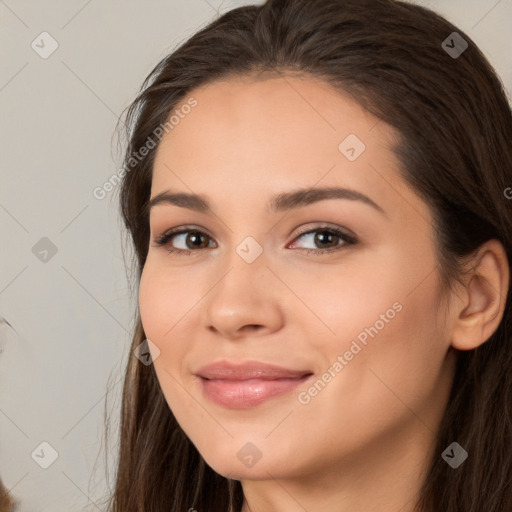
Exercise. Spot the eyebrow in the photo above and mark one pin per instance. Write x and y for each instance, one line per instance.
(279, 203)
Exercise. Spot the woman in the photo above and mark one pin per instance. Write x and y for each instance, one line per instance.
(316, 194)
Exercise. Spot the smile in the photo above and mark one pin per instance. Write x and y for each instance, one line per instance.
(243, 394)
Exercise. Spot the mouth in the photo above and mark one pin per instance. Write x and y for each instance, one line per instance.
(243, 394)
(247, 385)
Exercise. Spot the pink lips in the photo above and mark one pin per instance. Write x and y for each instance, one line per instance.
(249, 384)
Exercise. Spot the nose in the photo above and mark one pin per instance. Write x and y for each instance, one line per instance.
(245, 301)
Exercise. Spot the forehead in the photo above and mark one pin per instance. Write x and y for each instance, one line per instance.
(262, 135)
(287, 108)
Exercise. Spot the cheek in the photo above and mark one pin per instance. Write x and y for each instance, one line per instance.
(152, 304)
(163, 302)
(397, 370)
(336, 306)
(399, 351)
(340, 300)
(384, 321)
(161, 308)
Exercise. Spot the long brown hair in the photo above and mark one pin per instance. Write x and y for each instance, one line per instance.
(455, 126)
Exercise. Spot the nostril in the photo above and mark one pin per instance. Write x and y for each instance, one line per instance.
(253, 326)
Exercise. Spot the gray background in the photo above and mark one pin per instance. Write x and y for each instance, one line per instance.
(72, 310)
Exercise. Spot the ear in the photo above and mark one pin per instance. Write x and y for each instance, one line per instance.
(484, 297)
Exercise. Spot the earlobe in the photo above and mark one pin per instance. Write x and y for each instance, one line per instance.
(486, 292)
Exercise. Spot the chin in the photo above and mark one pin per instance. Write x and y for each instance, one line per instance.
(236, 472)
(246, 462)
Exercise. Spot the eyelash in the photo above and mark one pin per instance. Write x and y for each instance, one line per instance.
(166, 238)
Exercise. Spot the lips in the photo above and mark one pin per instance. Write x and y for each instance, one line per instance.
(241, 386)
(246, 371)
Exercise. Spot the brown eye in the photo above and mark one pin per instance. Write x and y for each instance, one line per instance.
(191, 238)
(325, 239)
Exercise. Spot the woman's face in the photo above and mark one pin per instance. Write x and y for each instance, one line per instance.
(359, 324)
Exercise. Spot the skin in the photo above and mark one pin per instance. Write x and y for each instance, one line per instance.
(363, 441)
